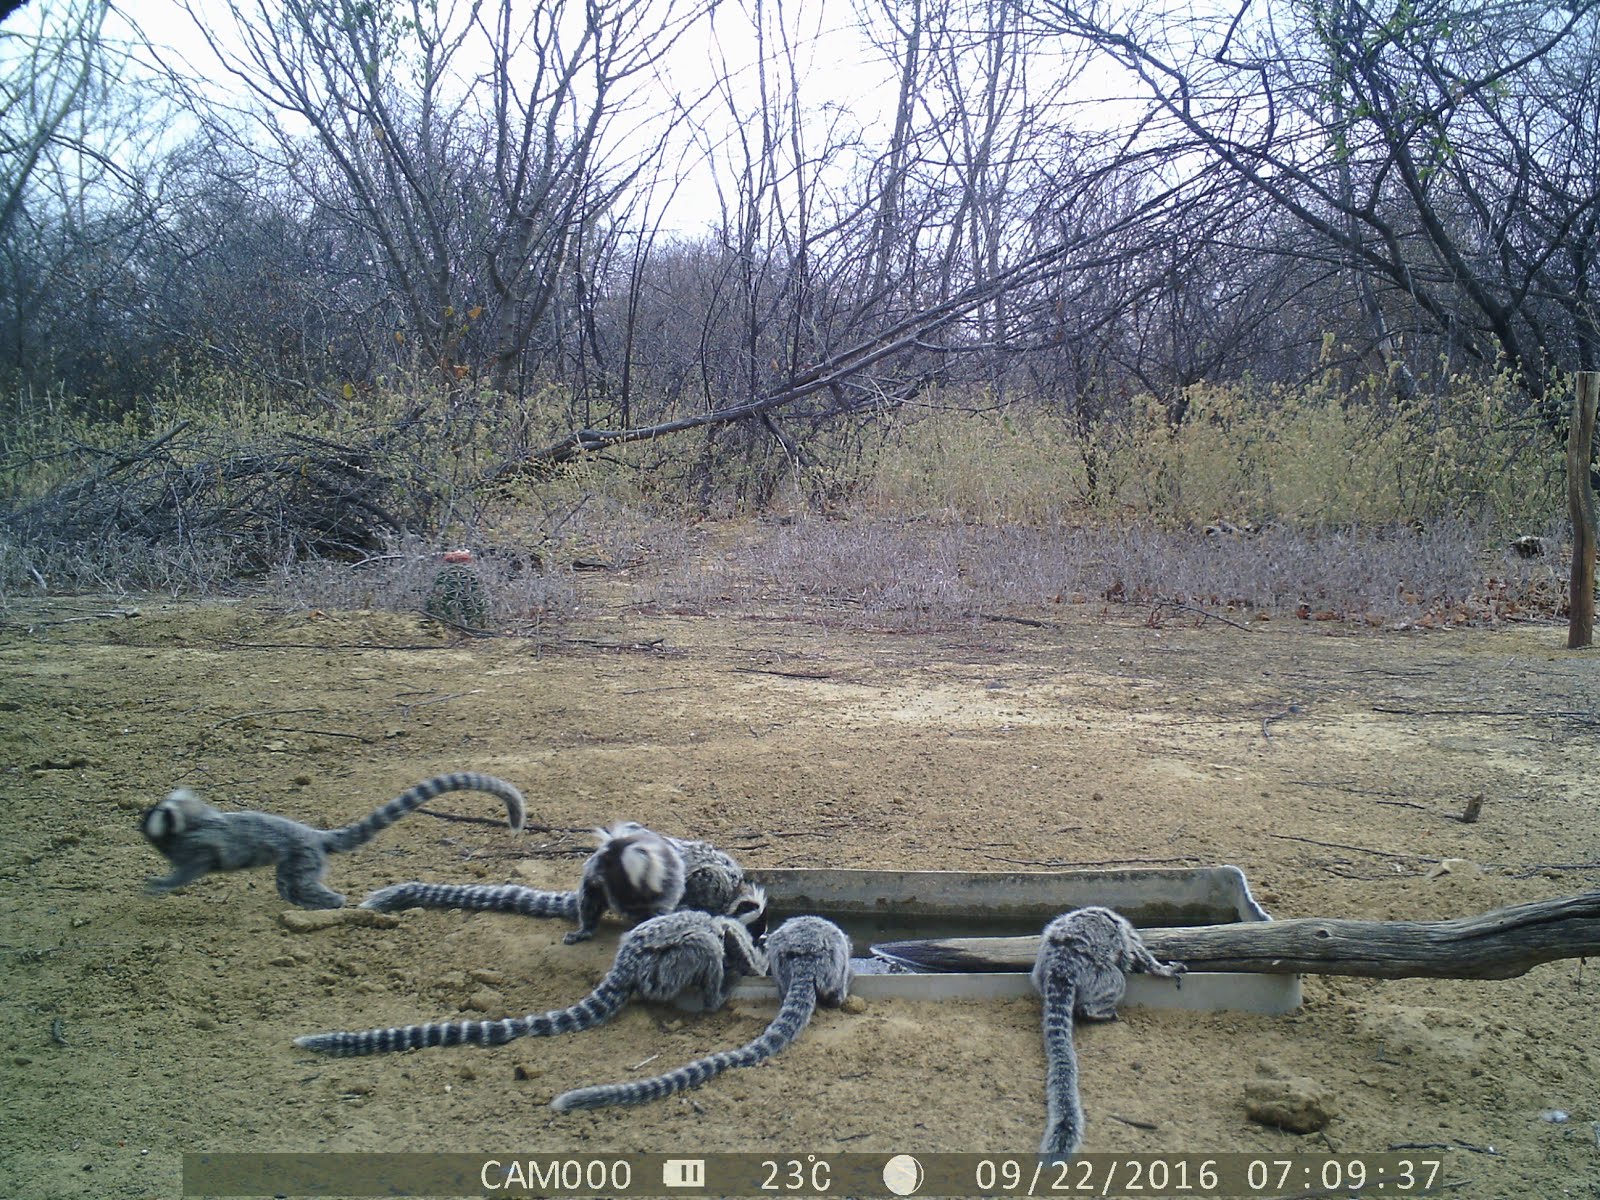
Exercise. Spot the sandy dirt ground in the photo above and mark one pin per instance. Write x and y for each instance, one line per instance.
(1327, 763)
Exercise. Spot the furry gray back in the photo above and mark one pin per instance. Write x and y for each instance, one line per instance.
(810, 962)
(1079, 973)
(197, 839)
(634, 871)
(657, 960)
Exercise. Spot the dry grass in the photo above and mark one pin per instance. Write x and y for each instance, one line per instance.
(116, 563)
(526, 597)
(1312, 457)
(946, 516)
(900, 575)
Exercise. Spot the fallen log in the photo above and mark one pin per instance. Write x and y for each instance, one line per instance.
(1496, 945)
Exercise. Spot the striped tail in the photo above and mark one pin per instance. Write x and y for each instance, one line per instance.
(1063, 1110)
(475, 897)
(598, 1006)
(799, 1003)
(337, 841)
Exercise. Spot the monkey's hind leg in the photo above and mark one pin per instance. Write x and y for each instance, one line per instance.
(716, 985)
(1100, 993)
(300, 880)
(1149, 964)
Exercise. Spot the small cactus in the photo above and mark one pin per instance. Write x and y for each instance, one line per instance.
(459, 595)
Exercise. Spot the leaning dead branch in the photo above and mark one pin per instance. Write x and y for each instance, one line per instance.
(905, 335)
(1496, 945)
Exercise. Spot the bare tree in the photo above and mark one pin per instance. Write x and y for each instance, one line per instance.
(1445, 152)
(83, 178)
(472, 183)
(905, 46)
(47, 75)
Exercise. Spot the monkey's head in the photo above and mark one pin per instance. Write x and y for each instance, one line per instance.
(168, 821)
(617, 830)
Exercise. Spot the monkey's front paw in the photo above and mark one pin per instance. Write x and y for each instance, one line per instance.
(576, 936)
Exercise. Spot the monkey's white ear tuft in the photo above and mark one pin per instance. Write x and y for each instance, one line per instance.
(172, 815)
(750, 910)
(160, 822)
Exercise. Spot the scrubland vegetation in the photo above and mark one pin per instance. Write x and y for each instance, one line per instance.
(1287, 328)
(1281, 503)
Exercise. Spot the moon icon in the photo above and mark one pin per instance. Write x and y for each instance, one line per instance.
(902, 1175)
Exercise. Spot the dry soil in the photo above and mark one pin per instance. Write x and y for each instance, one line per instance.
(1327, 763)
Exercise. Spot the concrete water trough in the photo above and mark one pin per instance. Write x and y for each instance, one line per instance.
(876, 907)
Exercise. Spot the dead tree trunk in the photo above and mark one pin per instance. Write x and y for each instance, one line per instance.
(1497, 945)
(1580, 498)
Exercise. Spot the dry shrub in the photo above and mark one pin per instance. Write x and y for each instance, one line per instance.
(958, 511)
(116, 563)
(908, 575)
(526, 596)
(199, 488)
(1315, 458)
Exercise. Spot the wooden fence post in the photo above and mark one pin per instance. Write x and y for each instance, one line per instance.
(1580, 498)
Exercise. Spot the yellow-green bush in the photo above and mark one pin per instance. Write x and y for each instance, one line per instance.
(1012, 465)
(1311, 457)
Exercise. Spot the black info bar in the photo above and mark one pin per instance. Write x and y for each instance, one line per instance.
(540, 1174)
